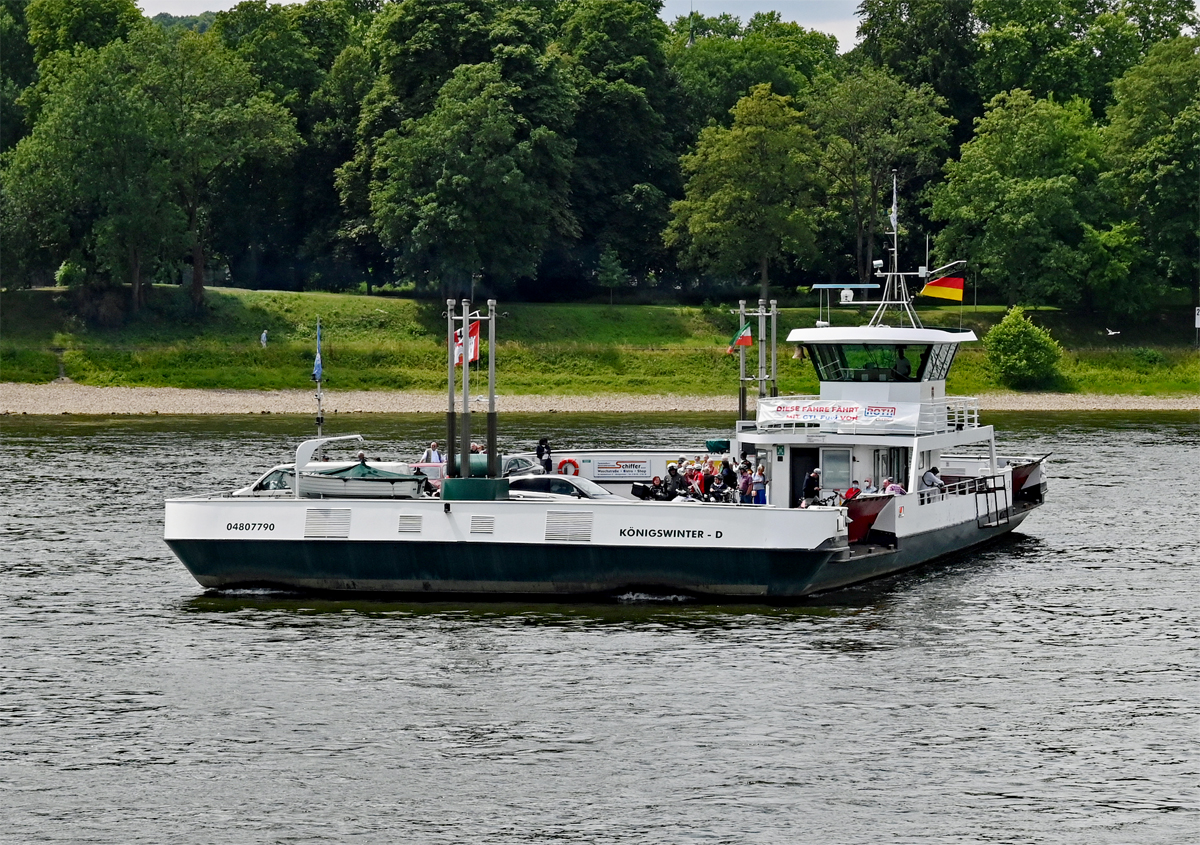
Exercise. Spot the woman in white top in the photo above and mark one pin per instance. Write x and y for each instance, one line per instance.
(758, 482)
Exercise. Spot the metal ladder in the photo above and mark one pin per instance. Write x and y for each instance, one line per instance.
(989, 496)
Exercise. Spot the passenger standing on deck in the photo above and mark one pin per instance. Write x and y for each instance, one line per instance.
(852, 491)
(729, 475)
(932, 481)
(869, 487)
(745, 485)
(892, 488)
(543, 454)
(431, 455)
(759, 483)
(812, 487)
(676, 484)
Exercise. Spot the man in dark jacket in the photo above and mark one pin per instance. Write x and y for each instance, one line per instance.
(675, 484)
(812, 487)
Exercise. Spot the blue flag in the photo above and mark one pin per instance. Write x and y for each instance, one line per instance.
(317, 363)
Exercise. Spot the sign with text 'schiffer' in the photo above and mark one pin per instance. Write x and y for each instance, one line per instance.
(903, 415)
(630, 468)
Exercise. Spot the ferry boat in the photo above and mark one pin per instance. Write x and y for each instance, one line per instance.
(882, 412)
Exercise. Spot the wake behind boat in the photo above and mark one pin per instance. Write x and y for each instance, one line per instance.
(493, 529)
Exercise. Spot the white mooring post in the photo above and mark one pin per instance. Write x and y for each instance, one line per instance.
(466, 389)
(451, 423)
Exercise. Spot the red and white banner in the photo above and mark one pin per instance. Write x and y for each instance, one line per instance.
(473, 338)
(904, 415)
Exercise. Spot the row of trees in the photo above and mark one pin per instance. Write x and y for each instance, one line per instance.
(539, 147)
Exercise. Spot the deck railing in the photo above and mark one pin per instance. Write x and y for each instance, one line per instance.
(965, 487)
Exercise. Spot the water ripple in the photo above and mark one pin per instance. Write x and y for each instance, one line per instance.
(1042, 690)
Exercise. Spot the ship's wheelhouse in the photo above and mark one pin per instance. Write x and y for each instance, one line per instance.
(886, 362)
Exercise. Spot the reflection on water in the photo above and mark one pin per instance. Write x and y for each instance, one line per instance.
(1041, 690)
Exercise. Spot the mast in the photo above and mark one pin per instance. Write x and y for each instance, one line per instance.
(895, 291)
(318, 371)
(451, 421)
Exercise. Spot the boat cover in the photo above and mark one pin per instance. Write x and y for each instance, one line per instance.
(361, 470)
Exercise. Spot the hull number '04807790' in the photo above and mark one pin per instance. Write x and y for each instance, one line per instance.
(250, 526)
(682, 533)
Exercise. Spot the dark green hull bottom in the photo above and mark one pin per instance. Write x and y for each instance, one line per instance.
(479, 570)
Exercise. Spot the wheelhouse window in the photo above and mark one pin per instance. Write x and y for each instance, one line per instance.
(882, 361)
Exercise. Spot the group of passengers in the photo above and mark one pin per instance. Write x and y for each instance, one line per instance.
(708, 480)
(434, 455)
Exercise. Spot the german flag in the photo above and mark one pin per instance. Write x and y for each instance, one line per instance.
(947, 287)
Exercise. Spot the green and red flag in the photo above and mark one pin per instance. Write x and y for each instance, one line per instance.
(947, 287)
(744, 337)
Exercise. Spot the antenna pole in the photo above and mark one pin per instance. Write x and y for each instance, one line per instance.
(762, 351)
(466, 385)
(319, 371)
(774, 349)
(451, 422)
(493, 457)
(741, 364)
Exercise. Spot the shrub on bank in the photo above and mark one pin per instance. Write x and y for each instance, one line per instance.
(1020, 353)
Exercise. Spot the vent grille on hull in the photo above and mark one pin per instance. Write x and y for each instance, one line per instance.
(327, 522)
(569, 526)
(410, 523)
(483, 524)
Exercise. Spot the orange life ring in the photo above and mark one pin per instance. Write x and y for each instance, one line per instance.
(568, 462)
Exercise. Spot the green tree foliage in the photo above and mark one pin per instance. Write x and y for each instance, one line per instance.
(342, 248)
(17, 71)
(61, 25)
(286, 211)
(1153, 137)
(267, 39)
(133, 141)
(626, 166)
(99, 130)
(412, 48)
(415, 46)
(927, 42)
(717, 60)
(748, 198)
(473, 186)
(588, 106)
(198, 23)
(218, 120)
(1027, 207)
(609, 272)
(870, 124)
(1070, 48)
(1020, 353)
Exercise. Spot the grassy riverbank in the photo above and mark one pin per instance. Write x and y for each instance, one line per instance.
(382, 343)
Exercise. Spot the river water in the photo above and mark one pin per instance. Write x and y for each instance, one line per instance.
(1044, 690)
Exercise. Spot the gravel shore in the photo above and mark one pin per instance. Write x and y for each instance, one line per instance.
(70, 398)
